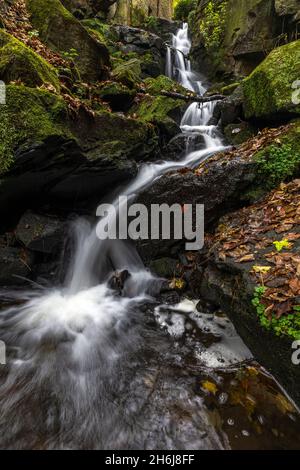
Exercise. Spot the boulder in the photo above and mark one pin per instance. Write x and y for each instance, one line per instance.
(62, 32)
(268, 91)
(164, 267)
(47, 156)
(40, 233)
(19, 62)
(148, 47)
(164, 28)
(88, 8)
(230, 110)
(128, 73)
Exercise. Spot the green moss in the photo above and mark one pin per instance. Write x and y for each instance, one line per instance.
(103, 32)
(19, 62)
(29, 117)
(288, 325)
(268, 90)
(229, 89)
(212, 24)
(155, 85)
(42, 13)
(183, 8)
(155, 109)
(128, 73)
(121, 137)
(281, 160)
(63, 33)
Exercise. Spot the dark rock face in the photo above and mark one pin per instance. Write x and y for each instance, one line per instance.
(164, 28)
(40, 234)
(58, 172)
(220, 188)
(15, 265)
(229, 110)
(143, 43)
(248, 30)
(88, 8)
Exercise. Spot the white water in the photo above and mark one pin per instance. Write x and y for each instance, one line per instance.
(68, 339)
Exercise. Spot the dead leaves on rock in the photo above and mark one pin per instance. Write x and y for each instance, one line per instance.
(16, 21)
(247, 150)
(267, 236)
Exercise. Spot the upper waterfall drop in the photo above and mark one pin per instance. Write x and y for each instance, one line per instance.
(179, 68)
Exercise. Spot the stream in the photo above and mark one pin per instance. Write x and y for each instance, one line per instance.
(89, 369)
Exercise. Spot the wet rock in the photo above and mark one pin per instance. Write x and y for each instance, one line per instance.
(46, 153)
(15, 265)
(164, 28)
(229, 110)
(164, 267)
(182, 144)
(40, 233)
(117, 281)
(223, 181)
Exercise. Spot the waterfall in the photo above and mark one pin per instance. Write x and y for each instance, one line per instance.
(70, 339)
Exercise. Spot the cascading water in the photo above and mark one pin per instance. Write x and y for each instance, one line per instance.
(90, 369)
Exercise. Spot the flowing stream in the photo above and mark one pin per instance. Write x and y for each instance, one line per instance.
(89, 369)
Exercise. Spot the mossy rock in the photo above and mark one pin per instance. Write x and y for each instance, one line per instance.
(161, 111)
(154, 86)
(19, 62)
(29, 117)
(236, 134)
(115, 136)
(268, 90)
(61, 31)
(119, 96)
(229, 89)
(128, 73)
(103, 31)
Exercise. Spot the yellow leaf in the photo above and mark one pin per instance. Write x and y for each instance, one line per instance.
(177, 284)
(210, 387)
(261, 269)
(283, 244)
